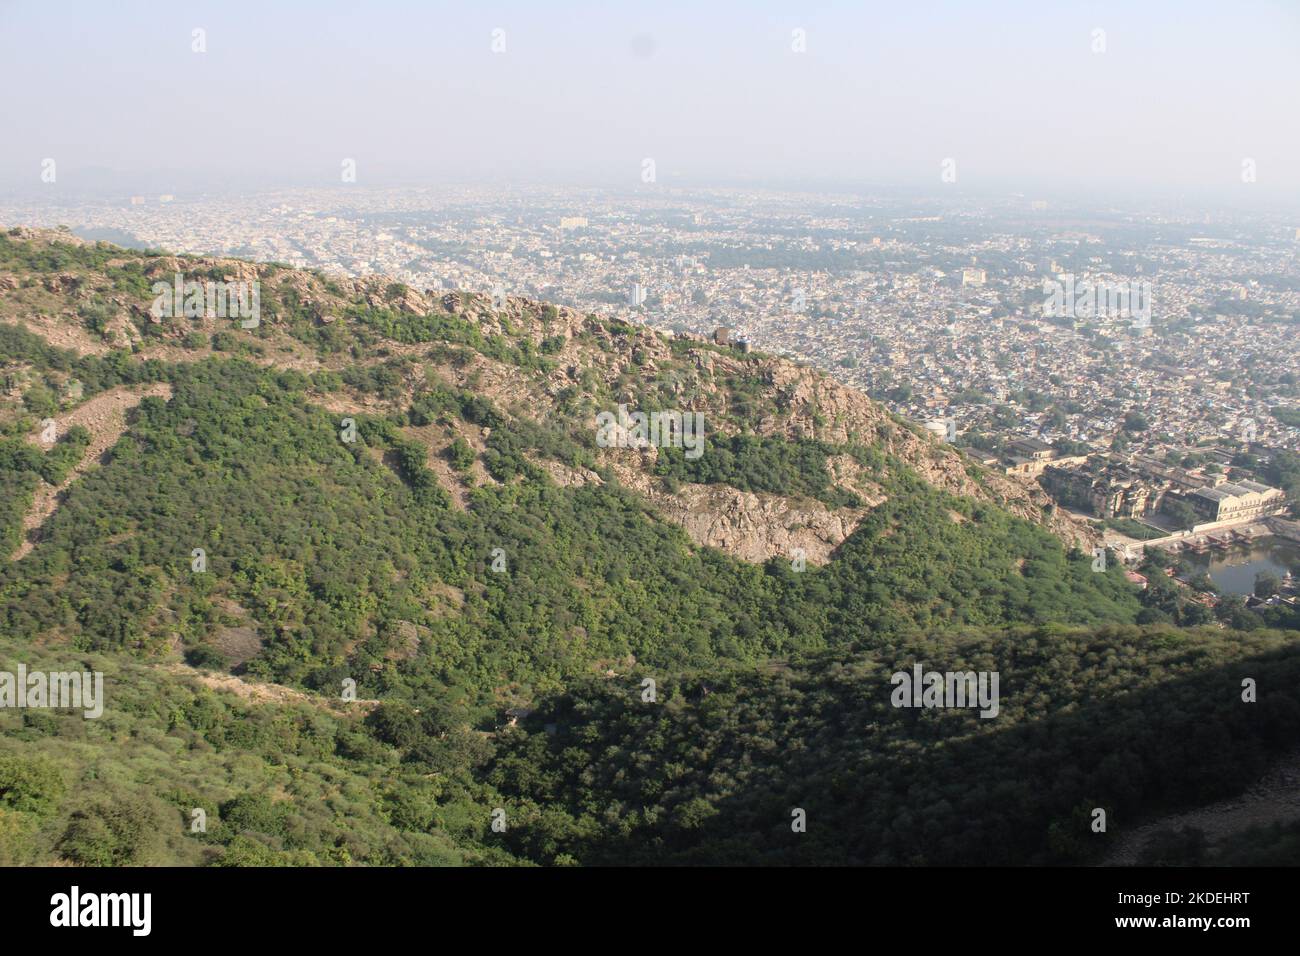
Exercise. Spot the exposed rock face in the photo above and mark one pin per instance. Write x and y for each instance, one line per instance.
(808, 404)
(237, 644)
(748, 525)
(567, 477)
(755, 527)
(196, 269)
(752, 526)
(407, 638)
(62, 284)
(378, 293)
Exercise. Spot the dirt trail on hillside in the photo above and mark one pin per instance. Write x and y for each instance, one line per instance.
(263, 692)
(1275, 798)
(104, 416)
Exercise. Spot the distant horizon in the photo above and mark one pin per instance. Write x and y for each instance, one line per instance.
(119, 188)
(1093, 100)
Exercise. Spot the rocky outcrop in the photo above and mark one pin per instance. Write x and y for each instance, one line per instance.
(808, 403)
(752, 526)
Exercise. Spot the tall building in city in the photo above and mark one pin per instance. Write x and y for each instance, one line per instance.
(636, 297)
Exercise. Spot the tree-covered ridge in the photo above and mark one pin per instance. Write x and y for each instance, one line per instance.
(1136, 722)
(279, 782)
(122, 266)
(1133, 722)
(553, 360)
(336, 552)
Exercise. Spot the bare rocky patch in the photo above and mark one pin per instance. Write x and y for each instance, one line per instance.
(438, 438)
(264, 692)
(751, 526)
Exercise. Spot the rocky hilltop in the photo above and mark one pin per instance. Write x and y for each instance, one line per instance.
(534, 360)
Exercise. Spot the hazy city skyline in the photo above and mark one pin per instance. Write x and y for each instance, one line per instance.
(1088, 98)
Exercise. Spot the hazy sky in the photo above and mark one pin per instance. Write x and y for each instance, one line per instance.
(712, 91)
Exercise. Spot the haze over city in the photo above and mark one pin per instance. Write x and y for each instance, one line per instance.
(1110, 99)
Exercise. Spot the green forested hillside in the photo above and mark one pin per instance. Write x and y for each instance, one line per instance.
(405, 495)
(1133, 721)
(335, 549)
(282, 782)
